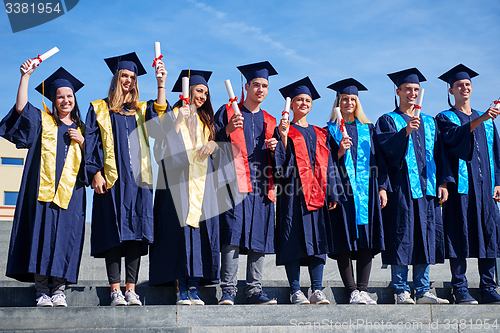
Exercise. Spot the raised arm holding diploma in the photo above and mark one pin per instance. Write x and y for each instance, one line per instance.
(41, 58)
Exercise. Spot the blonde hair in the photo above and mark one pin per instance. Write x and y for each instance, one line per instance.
(116, 97)
(358, 112)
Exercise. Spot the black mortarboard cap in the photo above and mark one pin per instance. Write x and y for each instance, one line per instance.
(58, 79)
(195, 77)
(303, 86)
(128, 61)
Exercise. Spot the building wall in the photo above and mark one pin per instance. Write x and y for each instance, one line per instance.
(10, 176)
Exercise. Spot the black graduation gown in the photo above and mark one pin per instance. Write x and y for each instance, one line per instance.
(45, 239)
(413, 228)
(343, 219)
(125, 211)
(471, 221)
(301, 233)
(247, 220)
(182, 251)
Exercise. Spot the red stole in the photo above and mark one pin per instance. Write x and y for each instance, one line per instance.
(241, 155)
(313, 186)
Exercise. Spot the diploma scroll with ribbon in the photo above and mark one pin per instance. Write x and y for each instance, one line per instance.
(341, 122)
(41, 58)
(232, 99)
(158, 56)
(418, 104)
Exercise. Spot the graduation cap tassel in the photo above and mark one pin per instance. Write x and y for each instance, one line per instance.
(449, 102)
(396, 101)
(242, 93)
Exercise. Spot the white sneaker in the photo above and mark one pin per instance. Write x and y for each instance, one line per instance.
(318, 297)
(404, 298)
(367, 298)
(44, 301)
(299, 298)
(429, 298)
(117, 298)
(59, 300)
(357, 298)
(132, 298)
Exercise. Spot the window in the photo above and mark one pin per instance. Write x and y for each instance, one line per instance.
(10, 198)
(12, 161)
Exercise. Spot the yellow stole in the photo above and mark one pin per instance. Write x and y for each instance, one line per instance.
(104, 121)
(197, 169)
(46, 190)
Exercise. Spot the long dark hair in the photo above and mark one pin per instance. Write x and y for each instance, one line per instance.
(75, 113)
(205, 112)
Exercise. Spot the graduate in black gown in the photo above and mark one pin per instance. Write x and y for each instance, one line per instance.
(357, 222)
(247, 213)
(186, 247)
(49, 221)
(306, 180)
(418, 171)
(118, 166)
(471, 217)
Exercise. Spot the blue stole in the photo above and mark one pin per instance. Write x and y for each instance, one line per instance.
(359, 177)
(411, 160)
(463, 173)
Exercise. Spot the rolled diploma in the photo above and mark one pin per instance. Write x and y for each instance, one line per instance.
(420, 97)
(339, 120)
(287, 107)
(157, 55)
(185, 88)
(44, 56)
(230, 93)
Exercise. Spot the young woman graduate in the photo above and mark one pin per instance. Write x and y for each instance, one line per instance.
(119, 167)
(358, 221)
(306, 188)
(186, 247)
(471, 217)
(49, 221)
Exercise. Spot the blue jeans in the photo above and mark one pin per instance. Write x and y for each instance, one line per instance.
(421, 282)
(315, 273)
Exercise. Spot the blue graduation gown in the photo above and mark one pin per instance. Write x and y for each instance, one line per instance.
(45, 239)
(124, 212)
(343, 219)
(301, 233)
(182, 251)
(471, 221)
(247, 222)
(413, 228)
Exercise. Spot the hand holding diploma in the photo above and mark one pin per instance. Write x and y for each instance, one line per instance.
(36, 61)
(285, 114)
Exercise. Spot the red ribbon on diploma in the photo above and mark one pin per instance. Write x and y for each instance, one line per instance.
(496, 102)
(417, 107)
(231, 100)
(156, 59)
(342, 126)
(185, 99)
(39, 59)
(285, 113)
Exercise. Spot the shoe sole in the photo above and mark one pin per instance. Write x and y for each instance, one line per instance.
(302, 303)
(226, 303)
(183, 303)
(271, 302)
(325, 302)
(119, 304)
(467, 303)
(197, 303)
(134, 304)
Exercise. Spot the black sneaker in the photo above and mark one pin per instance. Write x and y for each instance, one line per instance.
(490, 297)
(462, 296)
(260, 298)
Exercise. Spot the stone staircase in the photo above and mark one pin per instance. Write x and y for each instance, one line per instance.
(89, 308)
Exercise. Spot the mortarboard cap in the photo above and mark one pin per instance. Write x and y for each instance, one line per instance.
(411, 75)
(303, 86)
(128, 61)
(459, 72)
(195, 77)
(58, 79)
(261, 69)
(347, 86)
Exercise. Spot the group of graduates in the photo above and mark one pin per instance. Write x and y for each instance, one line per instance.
(416, 188)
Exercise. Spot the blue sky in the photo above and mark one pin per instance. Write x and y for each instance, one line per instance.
(325, 40)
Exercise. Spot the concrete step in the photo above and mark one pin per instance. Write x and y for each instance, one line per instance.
(254, 318)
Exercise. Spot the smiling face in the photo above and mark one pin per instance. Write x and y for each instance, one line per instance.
(301, 105)
(348, 103)
(407, 93)
(200, 95)
(257, 90)
(127, 80)
(461, 89)
(65, 101)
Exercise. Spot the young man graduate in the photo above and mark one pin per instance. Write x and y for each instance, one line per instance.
(412, 218)
(471, 217)
(247, 224)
